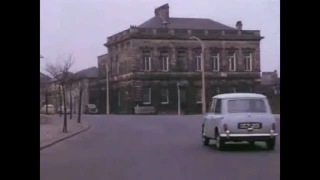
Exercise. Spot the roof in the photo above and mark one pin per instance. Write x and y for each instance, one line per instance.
(185, 23)
(44, 78)
(91, 72)
(103, 55)
(239, 95)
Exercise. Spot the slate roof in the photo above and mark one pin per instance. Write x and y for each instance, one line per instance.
(185, 23)
(92, 72)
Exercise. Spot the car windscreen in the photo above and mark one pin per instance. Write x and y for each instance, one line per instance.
(247, 106)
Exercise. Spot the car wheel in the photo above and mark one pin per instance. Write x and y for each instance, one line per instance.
(220, 144)
(271, 144)
(205, 139)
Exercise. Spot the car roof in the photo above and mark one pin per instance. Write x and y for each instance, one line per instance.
(239, 95)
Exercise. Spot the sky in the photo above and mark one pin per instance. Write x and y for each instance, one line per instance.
(80, 27)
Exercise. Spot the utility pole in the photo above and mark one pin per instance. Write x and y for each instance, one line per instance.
(107, 89)
(203, 93)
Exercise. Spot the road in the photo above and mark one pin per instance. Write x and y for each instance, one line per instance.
(153, 148)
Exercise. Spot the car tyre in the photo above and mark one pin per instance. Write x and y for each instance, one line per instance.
(205, 139)
(271, 144)
(220, 144)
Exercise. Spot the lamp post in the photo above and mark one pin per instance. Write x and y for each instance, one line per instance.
(203, 93)
(107, 89)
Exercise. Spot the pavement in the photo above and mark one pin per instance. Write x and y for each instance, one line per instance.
(51, 129)
(153, 148)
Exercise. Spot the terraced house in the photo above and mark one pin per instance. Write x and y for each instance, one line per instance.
(147, 61)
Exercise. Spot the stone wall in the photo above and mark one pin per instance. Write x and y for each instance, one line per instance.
(192, 48)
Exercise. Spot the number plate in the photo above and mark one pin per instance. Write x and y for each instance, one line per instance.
(252, 125)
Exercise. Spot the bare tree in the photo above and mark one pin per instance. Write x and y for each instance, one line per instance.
(61, 72)
(70, 99)
(46, 98)
(81, 87)
(70, 84)
(60, 99)
(46, 93)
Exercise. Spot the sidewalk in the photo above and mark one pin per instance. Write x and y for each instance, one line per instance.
(51, 129)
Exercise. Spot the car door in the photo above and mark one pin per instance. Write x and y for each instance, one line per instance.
(217, 112)
(216, 116)
(207, 119)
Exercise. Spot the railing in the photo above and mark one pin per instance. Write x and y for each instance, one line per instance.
(164, 32)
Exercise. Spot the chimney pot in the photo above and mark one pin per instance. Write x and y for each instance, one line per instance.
(162, 12)
(239, 25)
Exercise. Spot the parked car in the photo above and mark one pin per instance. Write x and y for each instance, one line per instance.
(239, 117)
(61, 110)
(90, 109)
(51, 109)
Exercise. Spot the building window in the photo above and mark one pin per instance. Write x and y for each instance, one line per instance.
(146, 96)
(164, 63)
(199, 96)
(215, 62)
(198, 61)
(146, 61)
(118, 67)
(164, 96)
(232, 61)
(248, 61)
(181, 58)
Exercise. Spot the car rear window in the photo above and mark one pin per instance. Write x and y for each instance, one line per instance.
(247, 106)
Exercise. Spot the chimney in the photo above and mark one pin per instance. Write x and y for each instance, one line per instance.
(239, 25)
(162, 12)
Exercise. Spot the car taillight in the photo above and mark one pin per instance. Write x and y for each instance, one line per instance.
(225, 127)
(273, 126)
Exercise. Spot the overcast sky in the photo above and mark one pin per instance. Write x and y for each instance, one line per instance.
(80, 27)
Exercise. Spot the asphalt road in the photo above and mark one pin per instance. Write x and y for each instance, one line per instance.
(153, 148)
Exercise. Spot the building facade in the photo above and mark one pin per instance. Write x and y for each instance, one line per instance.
(147, 61)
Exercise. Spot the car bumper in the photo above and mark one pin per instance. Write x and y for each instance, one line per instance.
(248, 137)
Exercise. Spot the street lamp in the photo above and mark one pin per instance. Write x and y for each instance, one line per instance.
(107, 89)
(203, 96)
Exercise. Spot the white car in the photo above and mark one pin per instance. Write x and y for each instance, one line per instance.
(239, 117)
(49, 108)
(61, 110)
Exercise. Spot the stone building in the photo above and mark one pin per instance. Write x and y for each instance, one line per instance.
(89, 81)
(147, 61)
(102, 60)
(270, 83)
(44, 80)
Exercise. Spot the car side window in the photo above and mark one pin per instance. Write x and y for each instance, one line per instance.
(217, 108)
(212, 105)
